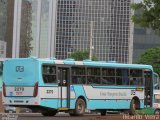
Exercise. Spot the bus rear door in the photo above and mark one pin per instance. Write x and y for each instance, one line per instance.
(64, 87)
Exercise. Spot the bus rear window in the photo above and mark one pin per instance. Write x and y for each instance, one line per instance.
(49, 74)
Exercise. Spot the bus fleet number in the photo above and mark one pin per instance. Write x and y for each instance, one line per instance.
(18, 89)
(49, 91)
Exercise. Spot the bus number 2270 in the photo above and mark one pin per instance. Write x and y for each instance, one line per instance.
(19, 89)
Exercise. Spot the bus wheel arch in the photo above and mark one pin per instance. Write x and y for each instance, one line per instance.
(134, 105)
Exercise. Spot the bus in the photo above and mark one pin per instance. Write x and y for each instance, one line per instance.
(49, 86)
(156, 82)
(1, 73)
(156, 103)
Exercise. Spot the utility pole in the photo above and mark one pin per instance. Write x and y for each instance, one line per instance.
(91, 43)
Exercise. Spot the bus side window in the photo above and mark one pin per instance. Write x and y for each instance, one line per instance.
(122, 77)
(49, 74)
(89, 80)
(78, 75)
(136, 77)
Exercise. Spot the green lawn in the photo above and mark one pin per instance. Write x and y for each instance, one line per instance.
(145, 111)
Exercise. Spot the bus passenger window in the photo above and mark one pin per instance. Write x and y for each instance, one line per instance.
(97, 80)
(108, 80)
(140, 81)
(93, 80)
(78, 75)
(136, 81)
(78, 80)
(136, 72)
(119, 81)
(49, 74)
(132, 81)
(136, 77)
(89, 80)
(122, 76)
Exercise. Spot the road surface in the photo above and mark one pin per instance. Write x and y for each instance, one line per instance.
(4, 116)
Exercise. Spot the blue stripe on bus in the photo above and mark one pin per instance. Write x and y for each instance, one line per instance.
(111, 104)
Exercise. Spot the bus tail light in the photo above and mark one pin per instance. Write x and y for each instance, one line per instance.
(35, 93)
(4, 89)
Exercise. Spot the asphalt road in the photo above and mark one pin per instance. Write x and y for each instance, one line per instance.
(4, 116)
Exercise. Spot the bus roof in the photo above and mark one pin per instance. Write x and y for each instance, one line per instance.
(87, 63)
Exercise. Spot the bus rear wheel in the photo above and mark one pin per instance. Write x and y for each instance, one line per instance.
(79, 108)
(103, 112)
(49, 113)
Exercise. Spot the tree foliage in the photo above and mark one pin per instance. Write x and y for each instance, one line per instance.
(150, 14)
(82, 55)
(26, 29)
(151, 57)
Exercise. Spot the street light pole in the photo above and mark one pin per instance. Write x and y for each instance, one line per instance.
(91, 44)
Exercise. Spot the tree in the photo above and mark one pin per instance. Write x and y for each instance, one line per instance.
(81, 55)
(150, 14)
(151, 57)
(26, 29)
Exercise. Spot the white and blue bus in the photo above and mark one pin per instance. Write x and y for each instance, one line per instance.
(49, 85)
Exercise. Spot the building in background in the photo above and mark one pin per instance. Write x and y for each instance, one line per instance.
(3, 26)
(56, 28)
(6, 27)
(143, 39)
(111, 28)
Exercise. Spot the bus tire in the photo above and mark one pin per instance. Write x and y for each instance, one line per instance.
(49, 113)
(79, 108)
(132, 110)
(157, 112)
(103, 112)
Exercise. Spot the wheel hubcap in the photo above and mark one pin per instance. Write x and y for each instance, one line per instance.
(80, 107)
(134, 106)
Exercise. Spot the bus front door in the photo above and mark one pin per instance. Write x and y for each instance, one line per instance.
(148, 101)
(64, 87)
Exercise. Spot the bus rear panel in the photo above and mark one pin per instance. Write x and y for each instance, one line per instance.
(20, 82)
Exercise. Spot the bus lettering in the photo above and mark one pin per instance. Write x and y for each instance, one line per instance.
(19, 68)
(19, 89)
(49, 91)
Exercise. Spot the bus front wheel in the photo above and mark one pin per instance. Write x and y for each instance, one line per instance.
(135, 104)
(79, 108)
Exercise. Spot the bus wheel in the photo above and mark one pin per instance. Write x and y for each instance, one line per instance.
(157, 112)
(49, 113)
(79, 108)
(103, 112)
(133, 106)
